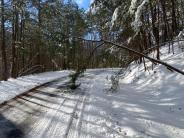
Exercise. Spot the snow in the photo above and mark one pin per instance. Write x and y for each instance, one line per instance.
(137, 22)
(181, 35)
(155, 97)
(136, 74)
(114, 16)
(133, 6)
(93, 8)
(146, 104)
(13, 87)
(132, 112)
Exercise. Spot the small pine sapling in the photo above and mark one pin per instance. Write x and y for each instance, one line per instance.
(114, 82)
(73, 82)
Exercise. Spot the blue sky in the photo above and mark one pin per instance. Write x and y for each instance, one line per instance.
(83, 3)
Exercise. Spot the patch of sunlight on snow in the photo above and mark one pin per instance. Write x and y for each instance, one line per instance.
(135, 109)
(167, 104)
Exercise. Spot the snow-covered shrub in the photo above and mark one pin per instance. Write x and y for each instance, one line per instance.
(181, 37)
(115, 82)
(74, 77)
(114, 17)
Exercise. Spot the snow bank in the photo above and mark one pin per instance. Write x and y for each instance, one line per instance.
(13, 87)
(153, 100)
(136, 73)
(137, 110)
(146, 105)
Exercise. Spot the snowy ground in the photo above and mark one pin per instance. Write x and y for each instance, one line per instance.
(146, 105)
(13, 87)
(136, 110)
(153, 100)
(93, 111)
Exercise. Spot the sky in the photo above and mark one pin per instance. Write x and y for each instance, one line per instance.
(83, 3)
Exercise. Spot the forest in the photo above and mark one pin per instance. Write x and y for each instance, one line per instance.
(91, 68)
(42, 35)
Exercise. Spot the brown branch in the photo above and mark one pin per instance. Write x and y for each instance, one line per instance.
(147, 57)
(137, 53)
(31, 70)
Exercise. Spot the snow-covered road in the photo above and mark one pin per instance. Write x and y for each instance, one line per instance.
(90, 111)
(46, 112)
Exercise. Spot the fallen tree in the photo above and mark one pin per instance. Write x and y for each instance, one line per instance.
(145, 56)
(102, 42)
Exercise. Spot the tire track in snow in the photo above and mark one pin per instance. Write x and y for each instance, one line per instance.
(21, 112)
(71, 118)
(80, 127)
(76, 124)
(39, 128)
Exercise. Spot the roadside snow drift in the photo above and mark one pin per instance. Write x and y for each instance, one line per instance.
(153, 100)
(13, 87)
(146, 105)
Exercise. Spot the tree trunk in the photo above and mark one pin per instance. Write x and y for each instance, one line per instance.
(3, 45)
(155, 29)
(174, 22)
(15, 30)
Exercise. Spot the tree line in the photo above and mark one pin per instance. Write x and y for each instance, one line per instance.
(139, 24)
(40, 35)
